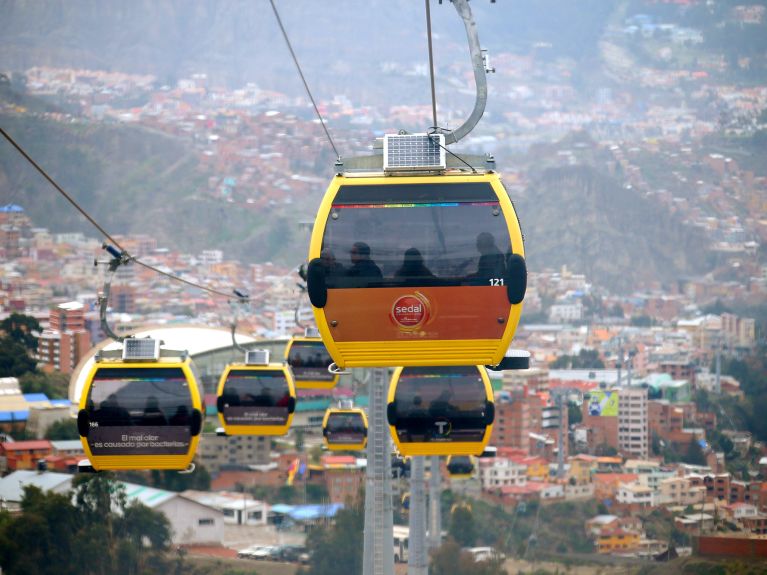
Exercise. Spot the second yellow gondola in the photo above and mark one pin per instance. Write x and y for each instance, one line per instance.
(345, 429)
(256, 398)
(445, 410)
(309, 359)
(460, 466)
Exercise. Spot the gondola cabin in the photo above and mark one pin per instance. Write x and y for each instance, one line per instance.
(309, 359)
(443, 410)
(141, 408)
(460, 467)
(416, 270)
(256, 397)
(345, 429)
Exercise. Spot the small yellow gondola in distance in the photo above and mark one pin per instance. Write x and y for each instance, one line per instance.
(345, 429)
(309, 359)
(256, 398)
(460, 467)
(140, 414)
(417, 270)
(440, 410)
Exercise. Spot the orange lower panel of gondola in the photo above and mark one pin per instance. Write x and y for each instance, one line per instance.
(379, 327)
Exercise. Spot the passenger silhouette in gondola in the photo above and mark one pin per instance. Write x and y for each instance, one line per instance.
(111, 413)
(417, 420)
(264, 398)
(181, 417)
(491, 265)
(153, 415)
(363, 270)
(413, 271)
(334, 270)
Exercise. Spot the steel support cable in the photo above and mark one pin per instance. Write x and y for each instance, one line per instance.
(95, 224)
(431, 66)
(303, 79)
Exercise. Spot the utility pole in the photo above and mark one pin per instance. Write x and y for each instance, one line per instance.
(378, 557)
(417, 563)
(718, 381)
(435, 508)
(620, 359)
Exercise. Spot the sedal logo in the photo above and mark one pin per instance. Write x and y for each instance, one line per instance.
(410, 311)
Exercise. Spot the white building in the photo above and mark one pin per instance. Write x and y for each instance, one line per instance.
(679, 491)
(501, 472)
(633, 422)
(190, 522)
(237, 508)
(636, 494)
(566, 312)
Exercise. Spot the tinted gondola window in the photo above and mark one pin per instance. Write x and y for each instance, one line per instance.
(141, 411)
(440, 404)
(438, 238)
(256, 397)
(309, 361)
(345, 428)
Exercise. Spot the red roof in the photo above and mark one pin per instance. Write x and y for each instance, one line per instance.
(26, 445)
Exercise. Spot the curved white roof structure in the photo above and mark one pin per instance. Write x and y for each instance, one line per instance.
(195, 339)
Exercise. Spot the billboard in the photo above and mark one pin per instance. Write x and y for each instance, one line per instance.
(603, 403)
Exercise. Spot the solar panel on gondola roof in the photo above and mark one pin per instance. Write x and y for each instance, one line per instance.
(414, 152)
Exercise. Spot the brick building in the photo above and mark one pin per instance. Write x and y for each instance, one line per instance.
(66, 340)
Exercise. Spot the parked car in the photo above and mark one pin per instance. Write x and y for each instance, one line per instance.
(249, 551)
(290, 553)
(264, 553)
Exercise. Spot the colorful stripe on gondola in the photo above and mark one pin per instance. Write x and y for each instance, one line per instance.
(434, 205)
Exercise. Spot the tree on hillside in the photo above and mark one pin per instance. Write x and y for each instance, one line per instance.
(586, 359)
(338, 549)
(15, 359)
(574, 413)
(19, 327)
(55, 384)
(97, 532)
(62, 429)
(462, 527)
(173, 481)
(694, 454)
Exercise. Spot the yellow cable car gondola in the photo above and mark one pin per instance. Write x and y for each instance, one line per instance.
(140, 409)
(460, 467)
(256, 397)
(443, 410)
(309, 359)
(417, 270)
(345, 429)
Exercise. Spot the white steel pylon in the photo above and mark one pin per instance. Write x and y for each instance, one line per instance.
(417, 563)
(378, 557)
(435, 511)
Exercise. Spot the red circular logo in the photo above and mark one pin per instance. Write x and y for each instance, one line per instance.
(410, 311)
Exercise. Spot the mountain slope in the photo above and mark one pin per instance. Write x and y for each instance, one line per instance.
(577, 217)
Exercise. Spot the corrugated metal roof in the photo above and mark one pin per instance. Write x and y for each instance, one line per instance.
(149, 496)
(12, 486)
